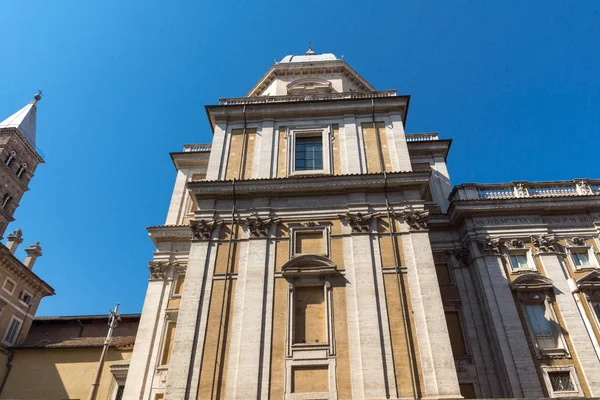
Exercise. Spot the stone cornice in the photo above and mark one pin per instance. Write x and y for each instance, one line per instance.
(301, 106)
(321, 184)
(35, 152)
(16, 268)
(168, 233)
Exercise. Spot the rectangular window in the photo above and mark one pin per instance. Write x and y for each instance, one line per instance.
(443, 274)
(580, 258)
(596, 308)
(561, 381)
(309, 153)
(309, 315)
(24, 297)
(168, 344)
(178, 288)
(309, 243)
(13, 330)
(9, 286)
(519, 261)
(537, 319)
(457, 340)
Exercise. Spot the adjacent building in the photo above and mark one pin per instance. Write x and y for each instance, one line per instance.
(315, 250)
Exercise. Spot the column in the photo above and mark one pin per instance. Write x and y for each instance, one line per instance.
(186, 357)
(507, 330)
(146, 341)
(370, 347)
(580, 339)
(439, 371)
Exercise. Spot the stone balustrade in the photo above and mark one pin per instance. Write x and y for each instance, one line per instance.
(421, 137)
(196, 148)
(516, 190)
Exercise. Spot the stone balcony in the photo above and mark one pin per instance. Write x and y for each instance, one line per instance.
(421, 137)
(524, 189)
(194, 148)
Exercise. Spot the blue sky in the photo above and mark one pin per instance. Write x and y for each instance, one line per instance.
(515, 84)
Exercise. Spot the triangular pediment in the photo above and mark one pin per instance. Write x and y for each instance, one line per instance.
(531, 282)
(590, 281)
(308, 74)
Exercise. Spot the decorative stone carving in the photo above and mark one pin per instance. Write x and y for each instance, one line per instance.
(202, 229)
(514, 244)
(158, 269)
(583, 188)
(310, 224)
(416, 219)
(463, 256)
(490, 245)
(520, 190)
(259, 227)
(576, 242)
(544, 243)
(359, 222)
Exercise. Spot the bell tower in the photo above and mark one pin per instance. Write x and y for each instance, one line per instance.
(19, 157)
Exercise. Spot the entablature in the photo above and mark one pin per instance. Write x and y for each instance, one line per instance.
(311, 184)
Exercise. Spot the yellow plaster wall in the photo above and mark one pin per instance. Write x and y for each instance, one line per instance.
(213, 354)
(282, 151)
(310, 379)
(58, 374)
(236, 146)
(403, 339)
(277, 386)
(340, 319)
(372, 149)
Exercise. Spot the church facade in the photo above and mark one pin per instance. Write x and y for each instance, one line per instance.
(315, 250)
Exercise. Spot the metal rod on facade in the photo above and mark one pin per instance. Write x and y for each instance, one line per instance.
(113, 320)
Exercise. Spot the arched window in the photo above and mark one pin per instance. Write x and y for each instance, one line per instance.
(10, 158)
(5, 200)
(21, 170)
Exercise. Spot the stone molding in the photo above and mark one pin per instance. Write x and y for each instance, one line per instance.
(202, 229)
(544, 244)
(158, 269)
(531, 282)
(359, 222)
(417, 220)
(490, 246)
(576, 241)
(259, 227)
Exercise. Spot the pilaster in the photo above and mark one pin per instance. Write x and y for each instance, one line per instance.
(217, 159)
(507, 329)
(439, 371)
(351, 155)
(146, 342)
(174, 214)
(263, 152)
(370, 347)
(574, 324)
(188, 343)
(399, 142)
(246, 365)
